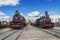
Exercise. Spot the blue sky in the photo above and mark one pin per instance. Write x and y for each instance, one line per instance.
(26, 7)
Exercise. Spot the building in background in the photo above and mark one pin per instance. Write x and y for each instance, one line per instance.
(55, 18)
(30, 19)
(59, 19)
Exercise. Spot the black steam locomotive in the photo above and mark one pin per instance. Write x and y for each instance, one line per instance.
(18, 21)
(44, 22)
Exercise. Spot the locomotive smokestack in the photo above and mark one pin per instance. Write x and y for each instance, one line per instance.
(16, 12)
(46, 14)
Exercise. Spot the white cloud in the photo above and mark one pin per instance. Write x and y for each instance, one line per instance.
(1, 13)
(3, 16)
(7, 17)
(52, 12)
(26, 17)
(21, 14)
(9, 2)
(30, 15)
(35, 13)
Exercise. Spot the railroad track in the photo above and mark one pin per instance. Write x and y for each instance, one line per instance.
(13, 36)
(1, 32)
(6, 34)
(10, 35)
(54, 32)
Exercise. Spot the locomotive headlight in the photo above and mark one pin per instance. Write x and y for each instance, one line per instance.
(11, 23)
(18, 23)
(16, 18)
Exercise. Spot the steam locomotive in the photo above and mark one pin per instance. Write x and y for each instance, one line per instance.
(44, 22)
(18, 21)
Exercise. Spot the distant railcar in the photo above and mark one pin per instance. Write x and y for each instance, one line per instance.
(4, 24)
(0, 23)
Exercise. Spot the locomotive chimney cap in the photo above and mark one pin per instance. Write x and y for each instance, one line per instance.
(16, 12)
